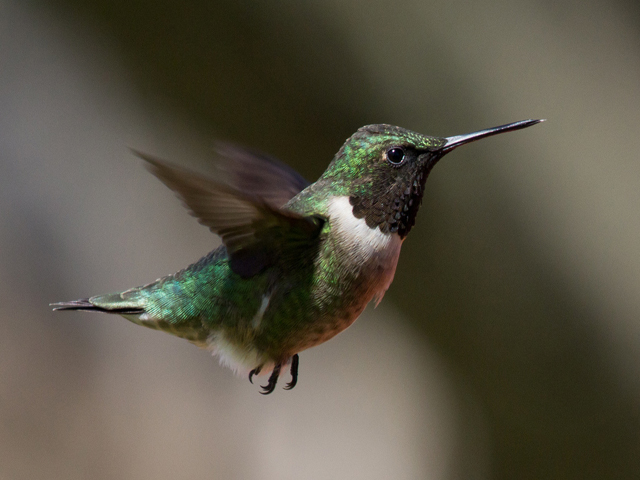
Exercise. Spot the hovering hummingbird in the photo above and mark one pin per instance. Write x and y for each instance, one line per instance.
(299, 262)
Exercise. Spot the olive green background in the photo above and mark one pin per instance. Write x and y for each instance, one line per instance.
(506, 348)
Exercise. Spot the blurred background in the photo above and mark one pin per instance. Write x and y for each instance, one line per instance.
(508, 345)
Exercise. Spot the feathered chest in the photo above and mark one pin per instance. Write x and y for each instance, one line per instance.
(364, 254)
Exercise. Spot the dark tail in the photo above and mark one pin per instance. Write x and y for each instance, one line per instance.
(86, 305)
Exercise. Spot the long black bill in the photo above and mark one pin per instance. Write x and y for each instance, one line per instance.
(453, 142)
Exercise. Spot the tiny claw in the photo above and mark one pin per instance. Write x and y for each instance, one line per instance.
(266, 389)
(253, 372)
(295, 361)
(273, 379)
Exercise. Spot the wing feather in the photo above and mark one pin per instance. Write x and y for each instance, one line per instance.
(255, 233)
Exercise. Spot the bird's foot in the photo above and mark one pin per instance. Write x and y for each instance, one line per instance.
(273, 379)
(295, 361)
(253, 372)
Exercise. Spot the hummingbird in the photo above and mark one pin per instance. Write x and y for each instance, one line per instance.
(299, 262)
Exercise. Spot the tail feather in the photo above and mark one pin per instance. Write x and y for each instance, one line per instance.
(112, 303)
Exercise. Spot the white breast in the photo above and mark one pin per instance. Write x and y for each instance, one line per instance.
(374, 250)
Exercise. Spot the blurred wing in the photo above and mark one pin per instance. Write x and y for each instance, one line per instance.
(256, 234)
(262, 175)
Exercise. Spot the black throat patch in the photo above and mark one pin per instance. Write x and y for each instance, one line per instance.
(393, 208)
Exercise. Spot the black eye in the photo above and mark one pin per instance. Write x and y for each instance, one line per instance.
(395, 155)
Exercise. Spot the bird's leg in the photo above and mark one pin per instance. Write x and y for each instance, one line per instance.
(295, 361)
(273, 379)
(253, 372)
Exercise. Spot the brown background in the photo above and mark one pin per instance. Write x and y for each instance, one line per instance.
(508, 345)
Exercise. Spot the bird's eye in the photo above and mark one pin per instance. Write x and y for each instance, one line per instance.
(395, 155)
